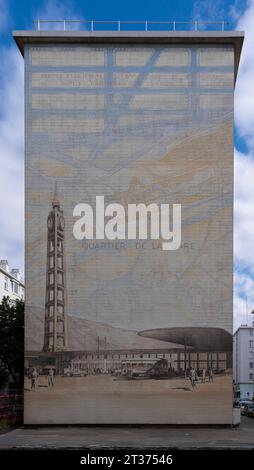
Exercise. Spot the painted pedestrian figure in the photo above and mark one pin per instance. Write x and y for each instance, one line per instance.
(210, 374)
(193, 377)
(34, 377)
(51, 378)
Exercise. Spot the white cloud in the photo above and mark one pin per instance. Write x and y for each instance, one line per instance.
(243, 299)
(243, 237)
(209, 10)
(244, 220)
(244, 102)
(55, 10)
(4, 14)
(217, 10)
(11, 157)
(236, 9)
(244, 174)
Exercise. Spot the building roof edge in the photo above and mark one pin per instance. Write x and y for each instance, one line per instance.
(140, 37)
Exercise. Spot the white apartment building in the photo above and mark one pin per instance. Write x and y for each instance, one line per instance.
(11, 282)
(243, 354)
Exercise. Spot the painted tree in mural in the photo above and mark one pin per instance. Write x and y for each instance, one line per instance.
(11, 342)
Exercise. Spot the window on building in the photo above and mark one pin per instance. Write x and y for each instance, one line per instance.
(60, 262)
(6, 282)
(251, 365)
(251, 332)
(59, 327)
(60, 278)
(251, 343)
(60, 309)
(51, 294)
(51, 245)
(16, 288)
(51, 278)
(51, 262)
(251, 376)
(60, 342)
(51, 327)
(60, 294)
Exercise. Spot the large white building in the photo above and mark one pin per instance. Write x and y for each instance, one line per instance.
(11, 282)
(243, 353)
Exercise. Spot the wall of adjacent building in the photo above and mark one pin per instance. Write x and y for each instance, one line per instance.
(243, 353)
(10, 286)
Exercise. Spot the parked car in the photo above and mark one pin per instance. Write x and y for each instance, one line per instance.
(77, 373)
(250, 410)
(243, 404)
(246, 408)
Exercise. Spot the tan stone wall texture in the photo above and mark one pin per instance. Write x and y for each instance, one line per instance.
(135, 124)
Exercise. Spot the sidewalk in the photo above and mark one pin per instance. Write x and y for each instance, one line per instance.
(146, 437)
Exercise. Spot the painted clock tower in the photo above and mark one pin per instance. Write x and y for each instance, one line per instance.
(55, 332)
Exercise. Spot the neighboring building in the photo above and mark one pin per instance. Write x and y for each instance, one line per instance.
(11, 282)
(243, 354)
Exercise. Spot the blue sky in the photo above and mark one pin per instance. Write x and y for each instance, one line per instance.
(17, 14)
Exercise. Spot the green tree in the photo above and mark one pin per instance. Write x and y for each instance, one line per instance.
(12, 340)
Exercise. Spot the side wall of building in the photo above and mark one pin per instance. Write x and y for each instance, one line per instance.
(135, 124)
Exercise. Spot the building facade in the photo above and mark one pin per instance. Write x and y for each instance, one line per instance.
(243, 354)
(129, 119)
(11, 282)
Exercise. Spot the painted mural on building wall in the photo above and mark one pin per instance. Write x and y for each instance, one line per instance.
(122, 331)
